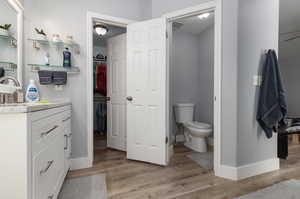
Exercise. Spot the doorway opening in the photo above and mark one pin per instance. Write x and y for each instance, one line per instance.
(109, 87)
(192, 85)
(289, 47)
(106, 85)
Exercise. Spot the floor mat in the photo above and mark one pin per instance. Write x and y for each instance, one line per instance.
(88, 187)
(285, 190)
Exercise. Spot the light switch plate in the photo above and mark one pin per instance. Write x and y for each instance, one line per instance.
(257, 79)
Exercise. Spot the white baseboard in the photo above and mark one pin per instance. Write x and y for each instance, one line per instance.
(239, 173)
(80, 163)
(227, 172)
(258, 168)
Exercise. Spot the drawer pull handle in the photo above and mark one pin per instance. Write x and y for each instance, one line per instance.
(47, 168)
(66, 119)
(47, 132)
(51, 196)
(67, 142)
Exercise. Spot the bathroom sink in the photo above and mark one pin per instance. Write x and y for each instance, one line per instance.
(27, 104)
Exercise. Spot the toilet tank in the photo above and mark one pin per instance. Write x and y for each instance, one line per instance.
(184, 113)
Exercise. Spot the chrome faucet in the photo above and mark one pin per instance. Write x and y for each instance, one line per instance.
(16, 97)
(16, 82)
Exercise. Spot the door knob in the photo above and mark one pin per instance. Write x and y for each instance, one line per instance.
(129, 98)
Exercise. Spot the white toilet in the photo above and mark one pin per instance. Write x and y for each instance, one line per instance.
(195, 132)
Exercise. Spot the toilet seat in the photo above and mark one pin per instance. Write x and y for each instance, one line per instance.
(199, 125)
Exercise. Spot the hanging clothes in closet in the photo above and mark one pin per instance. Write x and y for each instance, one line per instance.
(100, 91)
(101, 79)
(101, 117)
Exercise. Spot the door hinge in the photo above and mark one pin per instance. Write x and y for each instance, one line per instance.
(167, 35)
(167, 140)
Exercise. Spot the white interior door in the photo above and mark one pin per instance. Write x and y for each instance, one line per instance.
(146, 91)
(116, 79)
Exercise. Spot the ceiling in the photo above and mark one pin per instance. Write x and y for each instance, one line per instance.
(193, 24)
(112, 31)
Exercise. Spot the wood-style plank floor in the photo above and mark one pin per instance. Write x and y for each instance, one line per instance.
(182, 179)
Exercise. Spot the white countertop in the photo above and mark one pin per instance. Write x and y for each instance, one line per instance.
(31, 107)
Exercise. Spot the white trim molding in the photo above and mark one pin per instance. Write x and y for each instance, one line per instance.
(250, 170)
(91, 17)
(216, 6)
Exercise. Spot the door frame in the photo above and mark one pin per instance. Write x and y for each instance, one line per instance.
(216, 6)
(91, 16)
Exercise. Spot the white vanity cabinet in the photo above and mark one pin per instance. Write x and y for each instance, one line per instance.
(35, 149)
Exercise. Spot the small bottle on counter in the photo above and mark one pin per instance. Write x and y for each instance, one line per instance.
(32, 93)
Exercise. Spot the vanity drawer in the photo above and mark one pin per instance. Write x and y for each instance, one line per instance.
(44, 131)
(48, 170)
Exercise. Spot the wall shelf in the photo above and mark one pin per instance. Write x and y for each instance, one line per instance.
(38, 42)
(8, 66)
(38, 67)
(11, 39)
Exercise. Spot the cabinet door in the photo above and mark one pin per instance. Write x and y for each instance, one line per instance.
(48, 170)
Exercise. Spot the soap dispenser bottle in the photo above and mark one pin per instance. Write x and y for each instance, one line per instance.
(32, 93)
(67, 58)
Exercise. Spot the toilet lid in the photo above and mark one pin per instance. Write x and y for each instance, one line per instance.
(199, 125)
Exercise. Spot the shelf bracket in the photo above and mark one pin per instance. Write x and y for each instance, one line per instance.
(13, 43)
(36, 45)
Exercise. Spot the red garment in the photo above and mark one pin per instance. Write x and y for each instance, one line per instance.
(101, 79)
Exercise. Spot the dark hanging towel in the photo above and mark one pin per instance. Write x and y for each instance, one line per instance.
(272, 107)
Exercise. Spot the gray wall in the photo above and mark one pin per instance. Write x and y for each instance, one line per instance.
(258, 31)
(205, 106)
(185, 69)
(69, 17)
(289, 61)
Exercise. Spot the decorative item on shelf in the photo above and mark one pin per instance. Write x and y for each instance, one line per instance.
(4, 29)
(55, 41)
(71, 43)
(67, 58)
(38, 67)
(69, 40)
(5, 34)
(47, 59)
(41, 35)
(56, 38)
